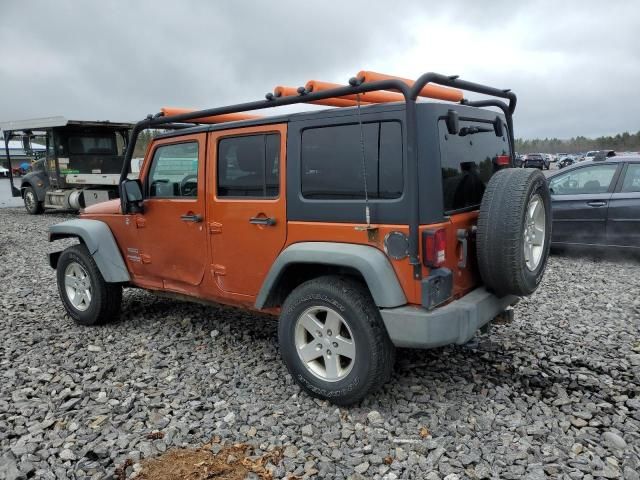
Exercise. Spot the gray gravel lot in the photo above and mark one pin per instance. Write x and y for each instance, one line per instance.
(556, 393)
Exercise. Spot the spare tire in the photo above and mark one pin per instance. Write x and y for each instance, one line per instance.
(514, 231)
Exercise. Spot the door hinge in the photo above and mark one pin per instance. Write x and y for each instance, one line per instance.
(140, 221)
(218, 269)
(215, 227)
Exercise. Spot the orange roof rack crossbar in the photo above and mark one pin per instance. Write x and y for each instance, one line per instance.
(282, 91)
(366, 97)
(431, 91)
(228, 117)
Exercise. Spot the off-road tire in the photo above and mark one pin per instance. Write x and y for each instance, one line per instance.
(375, 354)
(34, 206)
(106, 297)
(501, 230)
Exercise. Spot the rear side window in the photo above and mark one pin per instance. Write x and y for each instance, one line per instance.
(332, 166)
(174, 171)
(631, 181)
(248, 166)
(467, 162)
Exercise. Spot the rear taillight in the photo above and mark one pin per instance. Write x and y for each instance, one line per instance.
(434, 244)
(502, 160)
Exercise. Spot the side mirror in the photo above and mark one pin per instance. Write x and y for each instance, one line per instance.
(453, 122)
(131, 196)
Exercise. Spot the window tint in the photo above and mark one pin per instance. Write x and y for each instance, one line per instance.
(467, 162)
(174, 171)
(248, 166)
(631, 181)
(332, 161)
(587, 180)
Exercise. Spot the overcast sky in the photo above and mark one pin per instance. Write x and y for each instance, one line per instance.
(575, 66)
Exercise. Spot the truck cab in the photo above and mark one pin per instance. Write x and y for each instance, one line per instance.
(80, 166)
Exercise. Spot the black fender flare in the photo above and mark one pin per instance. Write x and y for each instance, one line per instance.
(36, 180)
(373, 265)
(99, 240)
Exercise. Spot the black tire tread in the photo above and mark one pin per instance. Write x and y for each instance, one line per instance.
(39, 205)
(108, 295)
(353, 292)
(499, 235)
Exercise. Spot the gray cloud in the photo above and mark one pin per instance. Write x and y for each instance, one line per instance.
(574, 65)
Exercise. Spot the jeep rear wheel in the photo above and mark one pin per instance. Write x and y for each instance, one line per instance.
(31, 203)
(86, 296)
(333, 340)
(514, 231)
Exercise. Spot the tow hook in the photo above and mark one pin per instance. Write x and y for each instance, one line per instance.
(504, 318)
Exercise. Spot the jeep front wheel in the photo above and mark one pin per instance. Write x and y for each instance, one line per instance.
(333, 340)
(86, 296)
(514, 231)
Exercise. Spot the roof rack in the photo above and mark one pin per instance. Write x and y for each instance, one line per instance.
(361, 87)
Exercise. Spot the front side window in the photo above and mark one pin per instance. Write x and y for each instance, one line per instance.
(332, 161)
(467, 161)
(631, 181)
(249, 166)
(584, 181)
(174, 171)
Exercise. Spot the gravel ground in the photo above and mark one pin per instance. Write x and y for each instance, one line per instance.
(556, 393)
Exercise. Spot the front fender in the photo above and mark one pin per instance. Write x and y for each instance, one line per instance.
(99, 240)
(36, 180)
(369, 261)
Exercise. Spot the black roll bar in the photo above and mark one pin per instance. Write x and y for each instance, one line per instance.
(355, 86)
(15, 192)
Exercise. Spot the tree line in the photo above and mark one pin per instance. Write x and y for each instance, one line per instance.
(622, 142)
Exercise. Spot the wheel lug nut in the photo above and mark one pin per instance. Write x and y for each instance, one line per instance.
(335, 344)
(319, 346)
(328, 352)
(319, 333)
(329, 332)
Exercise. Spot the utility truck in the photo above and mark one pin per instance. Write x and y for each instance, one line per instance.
(80, 167)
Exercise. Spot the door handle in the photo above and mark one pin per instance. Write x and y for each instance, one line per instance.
(267, 221)
(191, 217)
(597, 203)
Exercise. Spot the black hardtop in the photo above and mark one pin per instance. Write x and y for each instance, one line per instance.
(330, 113)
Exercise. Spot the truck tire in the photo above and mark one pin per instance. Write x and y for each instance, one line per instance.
(31, 202)
(88, 299)
(333, 340)
(514, 231)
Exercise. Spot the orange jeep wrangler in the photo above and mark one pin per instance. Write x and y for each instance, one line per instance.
(386, 221)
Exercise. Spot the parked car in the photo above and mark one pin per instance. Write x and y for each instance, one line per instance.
(589, 155)
(518, 160)
(597, 203)
(565, 162)
(4, 172)
(604, 154)
(287, 216)
(535, 160)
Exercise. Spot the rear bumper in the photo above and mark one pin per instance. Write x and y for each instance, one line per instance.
(457, 322)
